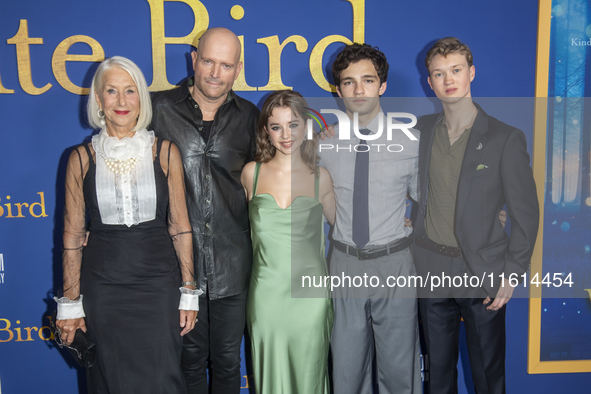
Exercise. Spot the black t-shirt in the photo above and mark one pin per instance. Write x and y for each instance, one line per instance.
(205, 129)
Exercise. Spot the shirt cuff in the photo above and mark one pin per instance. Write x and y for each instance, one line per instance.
(68, 309)
(189, 299)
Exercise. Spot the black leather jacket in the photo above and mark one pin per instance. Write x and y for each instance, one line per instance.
(215, 197)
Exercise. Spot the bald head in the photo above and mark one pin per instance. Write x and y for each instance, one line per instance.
(221, 39)
(217, 64)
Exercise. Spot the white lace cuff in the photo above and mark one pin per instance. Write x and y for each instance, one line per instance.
(68, 309)
(189, 299)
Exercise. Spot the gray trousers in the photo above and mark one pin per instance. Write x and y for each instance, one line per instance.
(375, 317)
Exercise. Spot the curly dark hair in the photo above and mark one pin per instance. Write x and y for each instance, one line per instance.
(356, 52)
(284, 99)
(448, 45)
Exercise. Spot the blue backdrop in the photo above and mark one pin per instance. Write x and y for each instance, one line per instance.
(48, 54)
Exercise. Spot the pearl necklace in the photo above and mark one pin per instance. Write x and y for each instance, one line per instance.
(120, 167)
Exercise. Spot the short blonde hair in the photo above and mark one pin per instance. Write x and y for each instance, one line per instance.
(136, 74)
(448, 45)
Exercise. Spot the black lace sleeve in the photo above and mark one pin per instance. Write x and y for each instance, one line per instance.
(74, 222)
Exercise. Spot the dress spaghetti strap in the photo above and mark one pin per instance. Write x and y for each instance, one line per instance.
(255, 180)
(317, 183)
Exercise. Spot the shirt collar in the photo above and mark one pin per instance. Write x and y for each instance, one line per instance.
(373, 126)
(442, 126)
(480, 123)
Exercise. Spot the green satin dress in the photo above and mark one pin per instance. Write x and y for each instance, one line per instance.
(289, 324)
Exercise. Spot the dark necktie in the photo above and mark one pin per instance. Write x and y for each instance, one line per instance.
(361, 195)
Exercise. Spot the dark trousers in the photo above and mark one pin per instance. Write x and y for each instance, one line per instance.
(440, 316)
(216, 338)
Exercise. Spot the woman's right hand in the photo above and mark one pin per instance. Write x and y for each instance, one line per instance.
(68, 329)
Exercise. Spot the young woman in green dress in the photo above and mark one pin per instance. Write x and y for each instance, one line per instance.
(289, 319)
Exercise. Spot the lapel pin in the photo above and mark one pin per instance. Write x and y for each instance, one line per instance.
(479, 146)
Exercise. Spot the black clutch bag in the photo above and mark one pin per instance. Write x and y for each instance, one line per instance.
(82, 349)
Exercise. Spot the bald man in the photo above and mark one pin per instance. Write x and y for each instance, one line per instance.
(215, 132)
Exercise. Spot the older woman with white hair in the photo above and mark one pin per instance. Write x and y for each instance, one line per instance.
(129, 187)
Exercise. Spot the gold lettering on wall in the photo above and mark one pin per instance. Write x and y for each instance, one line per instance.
(28, 330)
(318, 51)
(3, 89)
(20, 209)
(22, 336)
(61, 56)
(275, 49)
(7, 329)
(18, 333)
(41, 206)
(42, 334)
(247, 381)
(23, 57)
(240, 83)
(7, 210)
(159, 40)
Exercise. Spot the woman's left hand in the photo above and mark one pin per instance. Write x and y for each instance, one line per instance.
(188, 320)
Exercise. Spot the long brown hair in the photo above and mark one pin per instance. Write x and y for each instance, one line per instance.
(285, 99)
